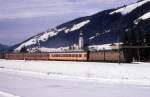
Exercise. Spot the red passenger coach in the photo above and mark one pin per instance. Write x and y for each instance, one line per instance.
(36, 56)
(68, 56)
(57, 56)
(101, 56)
(14, 56)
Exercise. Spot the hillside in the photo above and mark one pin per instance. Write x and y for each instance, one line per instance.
(106, 27)
(2, 47)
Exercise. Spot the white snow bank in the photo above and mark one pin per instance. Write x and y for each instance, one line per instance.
(127, 9)
(4, 94)
(105, 72)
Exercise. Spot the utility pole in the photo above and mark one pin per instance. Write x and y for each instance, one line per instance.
(118, 49)
(104, 53)
(139, 57)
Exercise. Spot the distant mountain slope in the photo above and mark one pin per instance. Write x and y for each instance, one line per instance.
(108, 26)
(2, 47)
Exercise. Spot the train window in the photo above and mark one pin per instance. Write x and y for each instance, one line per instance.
(57, 55)
(80, 55)
(66, 55)
(73, 55)
(76, 55)
(53, 55)
(60, 55)
(69, 55)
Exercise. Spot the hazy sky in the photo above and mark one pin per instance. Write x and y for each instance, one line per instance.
(20, 19)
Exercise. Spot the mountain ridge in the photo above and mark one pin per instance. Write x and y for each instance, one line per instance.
(105, 27)
(2, 47)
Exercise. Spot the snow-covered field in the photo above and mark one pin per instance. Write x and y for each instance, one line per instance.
(17, 84)
(136, 73)
(73, 79)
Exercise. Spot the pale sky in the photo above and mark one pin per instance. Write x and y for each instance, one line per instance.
(20, 19)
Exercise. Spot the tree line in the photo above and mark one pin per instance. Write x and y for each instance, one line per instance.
(136, 42)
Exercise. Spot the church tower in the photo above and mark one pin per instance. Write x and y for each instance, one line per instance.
(81, 42)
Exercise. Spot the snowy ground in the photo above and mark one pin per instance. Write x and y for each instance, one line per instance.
(17, 84)
(73, 79)
(138, 74)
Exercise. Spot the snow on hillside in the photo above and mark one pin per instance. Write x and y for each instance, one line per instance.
(127, 9)
(29, 42)
(103, 72)
(4, 94)
(46, 35)
(145, 16)
(77, 26)
(99, 34)
(43, 37)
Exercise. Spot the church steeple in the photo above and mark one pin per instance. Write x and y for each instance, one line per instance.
(81, 41)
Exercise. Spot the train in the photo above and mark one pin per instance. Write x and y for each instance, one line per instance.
(90, 56)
